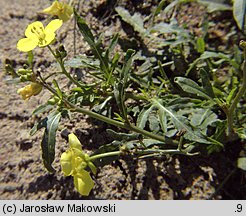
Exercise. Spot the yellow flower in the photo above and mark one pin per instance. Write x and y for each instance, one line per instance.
(83, 183)
(74, 142)
(37, 35)
(29, 90)
(73, 162)
(60, 9)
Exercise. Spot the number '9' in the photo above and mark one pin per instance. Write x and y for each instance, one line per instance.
(239, 207)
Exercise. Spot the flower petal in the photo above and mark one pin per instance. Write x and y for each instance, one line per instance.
(83, 183)
(49, 37)
(53, 9)
(66, 162)
(53, 25)
(29, 30)
(74, 142)
(66, 14)
(27, 44)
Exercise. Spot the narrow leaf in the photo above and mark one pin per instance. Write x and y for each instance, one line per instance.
(42, 108)
(206, 83)
(239, 13)
(191, 87)
(88, 36)
(49, 139)
(143, 117)
(37, 126)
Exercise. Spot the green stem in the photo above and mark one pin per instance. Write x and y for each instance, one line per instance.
(121, 124)
(64, 71)
(108, 154)
(50, 75)
(142, 152)
(234, 103)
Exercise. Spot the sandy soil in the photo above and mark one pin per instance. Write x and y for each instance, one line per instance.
(22, 175)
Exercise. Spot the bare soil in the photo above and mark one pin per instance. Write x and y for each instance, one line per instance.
(22, 174)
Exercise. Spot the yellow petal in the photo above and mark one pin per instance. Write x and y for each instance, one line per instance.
(53, 9)
(29, 90)
(53, 25)
(67, 162)
(27, 44)
(35, 25)
(74, 142)
(48, 39)
(83, 183)
(25, 92)
(36, 88)
(66, 14)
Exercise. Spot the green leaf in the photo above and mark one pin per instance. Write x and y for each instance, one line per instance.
(202, 118)
(239, 13)
(159, 8)
(143, 117)
(39, 125)
(200, 43)
(206, 83)
(163, 120)
(135, 21)
(208, 55)
(57, 88)
(83, 62)
(120, 86)
(231, 95)
(191, 87)
(242, 132)
(112, 45)
(181, 123)
(49, 139)
(88, 36)
(213, 6)
(241, 163)
(42, 108)
(154, 123)
(127, 66)
(146, 143)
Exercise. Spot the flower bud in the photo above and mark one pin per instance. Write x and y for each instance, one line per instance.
(30, 90)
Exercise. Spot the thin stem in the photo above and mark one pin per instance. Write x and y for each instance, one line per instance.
(141, 152)
(74, 108)
(234, 103)
(121, 124)
(145, 152)
(52, 74)
(64, 71)
(108, 154)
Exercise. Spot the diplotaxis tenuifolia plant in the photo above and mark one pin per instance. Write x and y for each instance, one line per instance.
(153, 113)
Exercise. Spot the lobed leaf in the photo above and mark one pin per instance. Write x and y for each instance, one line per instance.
(192, 87)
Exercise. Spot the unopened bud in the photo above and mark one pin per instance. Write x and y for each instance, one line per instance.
(242, 44)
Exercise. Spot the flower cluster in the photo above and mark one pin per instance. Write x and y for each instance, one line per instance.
(73, 162)
(38, 35)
